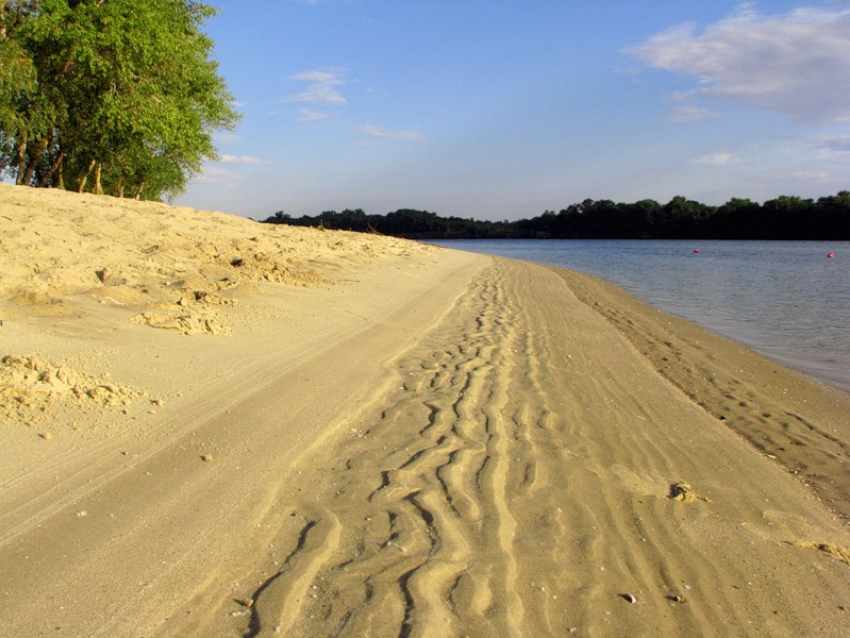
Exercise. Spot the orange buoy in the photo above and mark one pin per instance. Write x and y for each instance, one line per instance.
(697, 250)
(831, 256)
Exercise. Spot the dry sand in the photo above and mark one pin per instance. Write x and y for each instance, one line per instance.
(212, 427)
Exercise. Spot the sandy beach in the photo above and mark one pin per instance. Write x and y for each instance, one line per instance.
(214, 427)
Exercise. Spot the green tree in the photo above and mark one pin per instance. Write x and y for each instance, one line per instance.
(17, 79)
(126, 96)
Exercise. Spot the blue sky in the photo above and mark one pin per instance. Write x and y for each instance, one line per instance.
(502, 109)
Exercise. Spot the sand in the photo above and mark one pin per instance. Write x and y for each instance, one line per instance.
(213, 427)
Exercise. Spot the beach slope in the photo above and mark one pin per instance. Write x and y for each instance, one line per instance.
(214, 427)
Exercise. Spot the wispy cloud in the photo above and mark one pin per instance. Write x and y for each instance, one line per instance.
(309, 115)
(240, 159)
(835, 144)
(819, 177)
(321, 87)
(216, 175)
(716, 159)
(374, 131)
(691, 113)
(797, 63)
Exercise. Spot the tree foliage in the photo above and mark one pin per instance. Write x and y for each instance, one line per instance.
(681, 218)
(114, 95)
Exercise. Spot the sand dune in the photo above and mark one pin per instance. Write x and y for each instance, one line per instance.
(408, 442)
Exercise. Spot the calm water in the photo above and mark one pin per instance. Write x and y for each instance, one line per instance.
(785, 299)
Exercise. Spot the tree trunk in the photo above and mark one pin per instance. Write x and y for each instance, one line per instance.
(30, 170)
(48, 178)
(85, 178)
(139, 192)
(21, 160)
(98, 187)
(59, 177)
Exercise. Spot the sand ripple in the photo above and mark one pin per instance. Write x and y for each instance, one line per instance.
(516, 481)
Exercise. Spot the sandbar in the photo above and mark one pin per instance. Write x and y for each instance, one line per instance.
(214, 427)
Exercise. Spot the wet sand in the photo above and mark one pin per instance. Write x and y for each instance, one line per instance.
(389, 439)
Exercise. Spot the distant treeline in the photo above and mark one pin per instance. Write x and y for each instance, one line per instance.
(781, 218)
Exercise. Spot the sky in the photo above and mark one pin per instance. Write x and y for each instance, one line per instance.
(503, 109)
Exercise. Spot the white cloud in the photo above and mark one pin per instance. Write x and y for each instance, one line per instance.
(820, 177)
(215, 175)
(374, 131)
(240, 159)
(716, 159)
(691, 113)
(321, 87)
(309, 115)
(796, 63)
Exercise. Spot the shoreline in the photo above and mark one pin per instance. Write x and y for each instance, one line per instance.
(710, 369)
(741, 323)
(390, 439)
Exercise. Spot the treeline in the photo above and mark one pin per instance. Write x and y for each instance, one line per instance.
(781, 218)
(413, 224)
(116, 96)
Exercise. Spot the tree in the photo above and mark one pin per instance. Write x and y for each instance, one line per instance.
(833, 215)
(17, 78)
(126, 95)
(683, 217)
(787, 217)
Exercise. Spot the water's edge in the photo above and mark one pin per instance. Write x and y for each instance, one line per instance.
(786, 300)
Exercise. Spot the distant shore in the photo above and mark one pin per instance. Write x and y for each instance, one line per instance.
(214, 427)
(786, 217)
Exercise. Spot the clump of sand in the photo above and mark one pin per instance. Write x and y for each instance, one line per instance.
(836, 551)
(30, 387)
(195, 314)
(684, 493)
